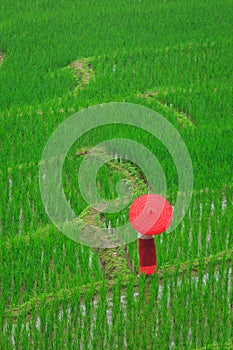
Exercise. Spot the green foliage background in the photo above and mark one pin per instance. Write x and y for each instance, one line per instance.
(172, 56)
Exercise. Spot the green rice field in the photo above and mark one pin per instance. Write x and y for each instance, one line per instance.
(61, 57)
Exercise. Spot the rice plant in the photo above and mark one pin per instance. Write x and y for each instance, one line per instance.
(58, 58)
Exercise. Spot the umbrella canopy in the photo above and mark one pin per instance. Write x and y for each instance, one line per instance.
(150, 214)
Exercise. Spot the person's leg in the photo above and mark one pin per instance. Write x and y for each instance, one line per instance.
(147, 254)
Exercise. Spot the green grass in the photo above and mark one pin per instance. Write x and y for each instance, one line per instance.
(58, 57)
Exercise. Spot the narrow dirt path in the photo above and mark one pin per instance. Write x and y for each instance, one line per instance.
(115, 261)
(1, 57)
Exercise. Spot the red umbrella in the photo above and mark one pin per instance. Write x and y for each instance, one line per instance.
(150, 214)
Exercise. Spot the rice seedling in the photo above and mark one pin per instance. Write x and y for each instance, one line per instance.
(57, 58)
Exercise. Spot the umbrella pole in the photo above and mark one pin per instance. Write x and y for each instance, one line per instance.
(147, 254)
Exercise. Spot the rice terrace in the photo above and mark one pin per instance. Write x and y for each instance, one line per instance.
(116, 174)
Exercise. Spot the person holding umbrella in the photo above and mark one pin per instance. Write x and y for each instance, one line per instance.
(149, 214)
